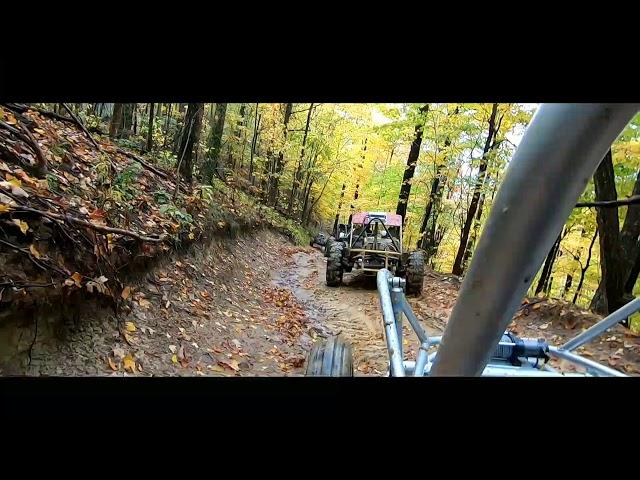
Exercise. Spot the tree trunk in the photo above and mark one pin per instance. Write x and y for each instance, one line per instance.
(214, 142)
(254, 142)
(384, 171)
(190, 137)
(583, 269)
(543, 281)
(337, 220)
(238, 131)
(609, 296)
(474, 233)
(567, 285)
(116, 120)
(547, 287)
(296, 177)
(127, 120)
(412, 160)
(356, 193)
(473, 207)
(279, 164)
(166, 126)
(435, 187)
(150, 128)
(429, 241)
(135, 118)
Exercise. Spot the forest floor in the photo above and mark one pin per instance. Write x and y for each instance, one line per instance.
(253, 306)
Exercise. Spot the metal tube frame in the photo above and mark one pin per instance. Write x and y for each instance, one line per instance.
(557, 156)
(394, 305)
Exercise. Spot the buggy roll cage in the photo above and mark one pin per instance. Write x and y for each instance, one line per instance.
(364, 229)
(561, 149)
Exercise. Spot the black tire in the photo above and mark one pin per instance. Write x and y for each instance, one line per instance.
(330, 358)
(327, 245)
(334, 264)
(415, 273)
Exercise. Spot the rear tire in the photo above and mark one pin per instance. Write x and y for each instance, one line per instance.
(330, 358)
(415, 272)
(327, 245)
(334, 264)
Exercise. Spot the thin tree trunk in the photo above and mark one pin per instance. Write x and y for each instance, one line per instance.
(127, 120)
(384, 171)
(192, 127)
(150, 128)
(609, 295)
(412, 160)
(116, 120)
(356, 193)
(296, 177)
(214, 142)
(239, 129)
(583, 270)
(567, 285)
(474, 233)
(543, 281)
(337, 220)
(166, 126)
(473, 207)
(135, 118)
(279, 163)
(254, 142)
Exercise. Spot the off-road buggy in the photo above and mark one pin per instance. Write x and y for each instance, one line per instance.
(373, 241)
(559, 152)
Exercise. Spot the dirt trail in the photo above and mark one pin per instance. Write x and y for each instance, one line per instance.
(352, 310)
(253, 306)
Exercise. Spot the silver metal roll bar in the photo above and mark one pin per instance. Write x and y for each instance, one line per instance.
(558, 154)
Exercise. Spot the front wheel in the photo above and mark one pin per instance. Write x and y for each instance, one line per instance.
(330, 358)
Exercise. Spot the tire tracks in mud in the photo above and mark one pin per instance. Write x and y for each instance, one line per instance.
(352, 310)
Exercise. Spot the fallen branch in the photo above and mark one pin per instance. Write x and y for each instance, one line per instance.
(26, 252)
(633, 200)
(40, 169)
(33, 143)
(23, 108)
(98, 228)
(19, 285)
(82, 127)
(150, 167)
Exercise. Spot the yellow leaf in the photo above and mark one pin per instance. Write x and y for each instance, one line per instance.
(221, 224)
(24, 226)
(40, 131)
(34, 251)
(113, 366)
(131, 327)
(191, 236)
(11, 120)
(4, 208)
(129, 339)
(174, 358)
(144, 303)
(14, 181)
(77, 278)
(129, 364)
